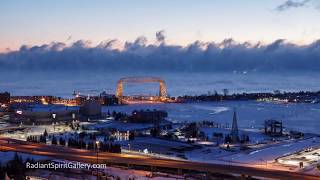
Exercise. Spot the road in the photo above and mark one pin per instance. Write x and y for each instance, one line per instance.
(87, 156)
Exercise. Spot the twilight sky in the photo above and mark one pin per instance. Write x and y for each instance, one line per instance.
(36, 22)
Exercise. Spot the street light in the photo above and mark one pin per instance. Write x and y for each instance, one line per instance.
(54, 115)
(97, 149)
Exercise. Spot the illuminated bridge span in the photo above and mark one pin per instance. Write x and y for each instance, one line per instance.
(140, 80)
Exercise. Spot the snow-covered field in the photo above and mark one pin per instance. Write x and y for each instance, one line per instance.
(270, 153)
(37, 130)
(121, 126)
(307, 157)
(154, 145)
(256, 135)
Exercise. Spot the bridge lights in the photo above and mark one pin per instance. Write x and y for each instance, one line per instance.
(139, 80)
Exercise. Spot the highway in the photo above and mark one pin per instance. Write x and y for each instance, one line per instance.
(87, 156)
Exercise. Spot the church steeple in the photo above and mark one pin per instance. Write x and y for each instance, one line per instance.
(234, 129)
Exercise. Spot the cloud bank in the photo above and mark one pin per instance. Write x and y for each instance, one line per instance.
(140, 55)
(292, 4)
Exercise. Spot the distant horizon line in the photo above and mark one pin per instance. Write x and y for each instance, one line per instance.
(154, 41)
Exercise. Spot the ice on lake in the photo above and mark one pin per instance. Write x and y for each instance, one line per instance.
(250, 114)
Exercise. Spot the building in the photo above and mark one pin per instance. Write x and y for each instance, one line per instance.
(80, 99)
(32, 99)
(44, 115)
(273, 127)
(91, 109)
(4, 98)
(104, 99)
(108, 99)
(148, 116)
(234, 129)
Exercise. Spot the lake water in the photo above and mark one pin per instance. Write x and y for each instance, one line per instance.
(63, 84)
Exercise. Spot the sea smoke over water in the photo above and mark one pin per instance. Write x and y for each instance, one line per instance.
(140, 55)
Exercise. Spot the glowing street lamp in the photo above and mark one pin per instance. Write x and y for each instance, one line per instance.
(97, 148)
(54, 115)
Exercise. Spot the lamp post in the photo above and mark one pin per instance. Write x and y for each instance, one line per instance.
(54, 115)
(97, 149)
(73, 115)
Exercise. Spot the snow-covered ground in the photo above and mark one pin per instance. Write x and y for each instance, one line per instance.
(209, 154)
(307, 157)
(251, 114)
(255, 135)
(121, 126)
(155, 145)
(269, 154)
(37, 130)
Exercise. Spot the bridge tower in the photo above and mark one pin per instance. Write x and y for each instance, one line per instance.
(119, 92)
(163, 90)
(162, 86)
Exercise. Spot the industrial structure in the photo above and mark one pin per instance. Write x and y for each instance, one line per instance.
(273, 127)
(91, 109)
(138, 80)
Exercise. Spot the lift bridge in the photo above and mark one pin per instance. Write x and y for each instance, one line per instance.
(141, 80)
